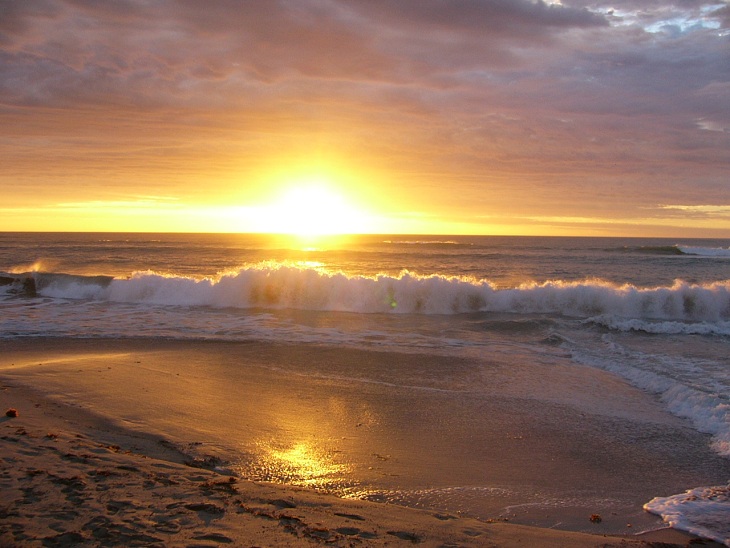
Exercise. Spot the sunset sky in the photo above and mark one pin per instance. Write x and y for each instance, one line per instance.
(580, 117)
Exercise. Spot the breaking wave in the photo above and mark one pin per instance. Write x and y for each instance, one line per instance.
(281, 286)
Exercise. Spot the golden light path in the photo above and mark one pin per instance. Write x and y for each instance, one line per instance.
(301, 463)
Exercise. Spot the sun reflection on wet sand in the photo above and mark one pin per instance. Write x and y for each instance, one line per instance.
(301, 463)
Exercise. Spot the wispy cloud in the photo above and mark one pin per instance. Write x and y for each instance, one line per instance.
(704, 209)
(142, 202)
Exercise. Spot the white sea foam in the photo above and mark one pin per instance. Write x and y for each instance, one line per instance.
(704, 511)
(680, 383)
(661, 327)
(278, 286)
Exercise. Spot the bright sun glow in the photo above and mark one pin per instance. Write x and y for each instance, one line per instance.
(312, 209)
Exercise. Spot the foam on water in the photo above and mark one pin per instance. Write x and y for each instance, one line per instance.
(279, 286)
(704, 511)
(682, 384)
(695, 388)
(661, 327)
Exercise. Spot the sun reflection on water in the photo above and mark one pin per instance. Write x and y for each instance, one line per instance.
(303, 464)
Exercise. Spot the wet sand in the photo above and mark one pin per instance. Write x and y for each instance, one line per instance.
(132, 440)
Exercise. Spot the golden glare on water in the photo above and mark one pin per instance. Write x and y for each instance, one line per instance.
(302, 464)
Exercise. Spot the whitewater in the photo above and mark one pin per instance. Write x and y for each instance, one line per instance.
(655, 313)
(299, 287)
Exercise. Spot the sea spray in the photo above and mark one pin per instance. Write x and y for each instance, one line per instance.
(275, 285)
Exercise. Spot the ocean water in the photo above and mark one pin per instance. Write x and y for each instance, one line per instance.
(652, 312)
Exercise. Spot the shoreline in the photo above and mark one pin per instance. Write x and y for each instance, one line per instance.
(77, 478)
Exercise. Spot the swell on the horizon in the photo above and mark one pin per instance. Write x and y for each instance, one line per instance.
(704, 251)
(286, 286)
(679, 250)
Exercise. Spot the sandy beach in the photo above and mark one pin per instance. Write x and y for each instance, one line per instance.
(79, 467)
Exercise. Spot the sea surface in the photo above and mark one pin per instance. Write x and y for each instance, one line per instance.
(653, 312)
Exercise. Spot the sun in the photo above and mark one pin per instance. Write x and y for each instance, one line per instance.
(312, 208)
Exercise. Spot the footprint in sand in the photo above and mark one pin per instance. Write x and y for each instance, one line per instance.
(31, 495)
(214, 537)
(404, 535)
(350, 516)
(168, 526)
(281, 503)
(354, 531)
(206, 509)
(65, 539)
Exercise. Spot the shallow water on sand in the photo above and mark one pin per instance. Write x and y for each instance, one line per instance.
(543, 443)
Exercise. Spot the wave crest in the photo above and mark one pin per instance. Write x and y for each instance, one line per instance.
(275, 285)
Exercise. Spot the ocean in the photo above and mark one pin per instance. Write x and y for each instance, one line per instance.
(653, 314)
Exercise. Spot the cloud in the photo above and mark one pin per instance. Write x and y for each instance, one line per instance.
(141, 202)
(508, 18)
(722, 210)
(510, 101)
(17, 18)
(107, 51)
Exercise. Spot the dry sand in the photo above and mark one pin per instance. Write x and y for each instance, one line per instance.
(69, 477)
